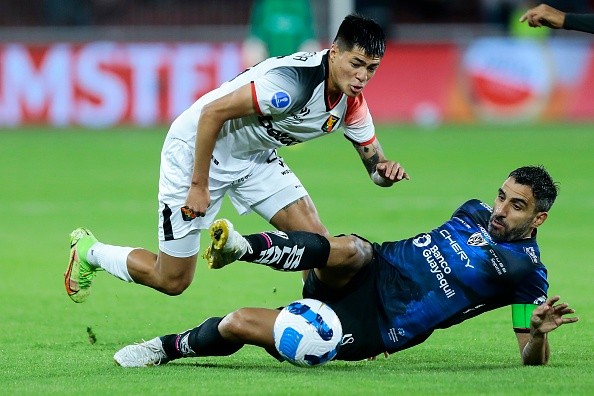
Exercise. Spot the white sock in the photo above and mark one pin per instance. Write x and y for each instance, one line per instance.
(111, 258)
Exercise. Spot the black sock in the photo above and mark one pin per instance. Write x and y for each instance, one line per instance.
(288, 251)
(204, 340)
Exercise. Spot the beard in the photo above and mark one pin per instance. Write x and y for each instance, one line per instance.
(505, 233)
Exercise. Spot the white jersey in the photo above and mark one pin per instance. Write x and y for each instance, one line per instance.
(290, 96)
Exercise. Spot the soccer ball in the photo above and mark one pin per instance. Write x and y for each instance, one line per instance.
(307, 333)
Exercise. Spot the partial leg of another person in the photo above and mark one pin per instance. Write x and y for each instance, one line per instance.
(335, 259)
(276, 194)
(216, 336)
(299, 219)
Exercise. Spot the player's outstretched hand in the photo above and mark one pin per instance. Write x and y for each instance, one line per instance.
(544, 15)
(548, 316)
(388, 172)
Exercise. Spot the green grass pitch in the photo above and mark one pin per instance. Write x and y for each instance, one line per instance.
(53, 181)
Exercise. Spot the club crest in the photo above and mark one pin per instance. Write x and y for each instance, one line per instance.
(330, 123)
(477, 239)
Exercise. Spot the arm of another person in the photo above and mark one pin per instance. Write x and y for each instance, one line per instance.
(236, 104)
(534, 346)
(545, 15)
(579, 22)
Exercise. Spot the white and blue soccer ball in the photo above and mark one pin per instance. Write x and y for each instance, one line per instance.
(307, 333)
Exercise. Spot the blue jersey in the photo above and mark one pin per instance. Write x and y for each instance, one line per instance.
(452, 273)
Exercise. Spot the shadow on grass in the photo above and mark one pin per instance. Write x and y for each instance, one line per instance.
(341, 366)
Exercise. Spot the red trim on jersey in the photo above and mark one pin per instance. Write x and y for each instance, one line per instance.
(368, 142)
(255, 98)
(356, 113)
(330, 106)
(356, 110)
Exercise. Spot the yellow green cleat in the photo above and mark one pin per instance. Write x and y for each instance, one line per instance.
(80, 273)
(226, 244)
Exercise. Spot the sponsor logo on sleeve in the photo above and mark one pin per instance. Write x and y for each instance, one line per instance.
(280, 100)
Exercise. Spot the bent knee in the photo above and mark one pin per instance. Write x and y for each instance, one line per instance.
(236, 324)
(175, 288)
(301, 215)
(349, 252)
(250, 326)
(173, 275)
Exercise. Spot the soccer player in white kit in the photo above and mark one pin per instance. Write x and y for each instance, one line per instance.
(226, 142)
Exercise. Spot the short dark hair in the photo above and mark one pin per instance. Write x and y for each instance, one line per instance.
(543, 187)
(357, 30)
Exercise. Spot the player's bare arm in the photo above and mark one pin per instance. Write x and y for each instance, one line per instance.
(534, 346)
(382, 171)
(233, 105)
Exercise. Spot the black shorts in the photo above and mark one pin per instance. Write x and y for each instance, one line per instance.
(357, 306)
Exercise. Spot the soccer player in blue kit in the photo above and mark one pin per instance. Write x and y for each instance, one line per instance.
(392, 296)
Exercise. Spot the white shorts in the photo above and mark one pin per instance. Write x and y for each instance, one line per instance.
(266, 187)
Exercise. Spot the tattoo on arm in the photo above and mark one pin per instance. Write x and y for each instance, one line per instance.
(370, 155)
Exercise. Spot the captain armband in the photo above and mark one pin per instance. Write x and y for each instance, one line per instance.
(521, 314)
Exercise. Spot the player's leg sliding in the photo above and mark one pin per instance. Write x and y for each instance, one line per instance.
(79, 274)
(144, 354)
(204, 340)
(283, 251)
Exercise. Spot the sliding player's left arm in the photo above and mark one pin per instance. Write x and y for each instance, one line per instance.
(533, 342)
